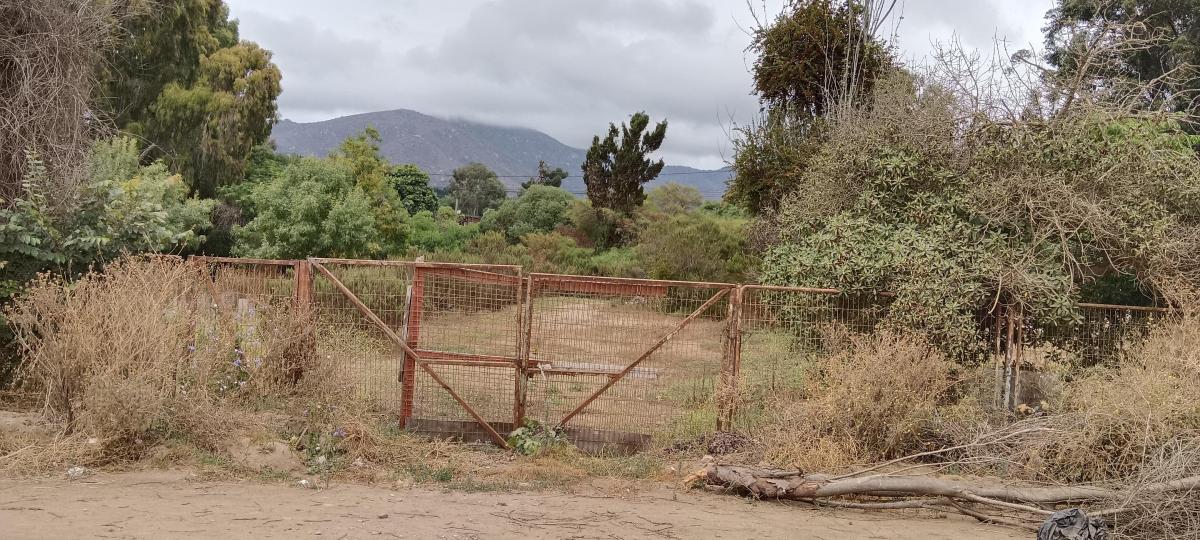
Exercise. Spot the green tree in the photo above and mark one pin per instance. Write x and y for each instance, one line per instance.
(617, 166)
(674, 198)
(696, 246)
(475, 188)
(546, 177)
(538, 209)
(817, 52)
(181, 79)
(313, 208)
(412, 184)
(360, 154)
(814, 55)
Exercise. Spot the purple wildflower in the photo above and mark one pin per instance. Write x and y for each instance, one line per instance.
(339, 432)
(237, 362)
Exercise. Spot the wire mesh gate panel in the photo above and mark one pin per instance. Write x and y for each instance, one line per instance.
(617, 361)
(435, 343)
(345, 334)
(465, 326)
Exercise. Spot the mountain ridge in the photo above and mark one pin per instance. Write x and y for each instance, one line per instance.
(439, 145)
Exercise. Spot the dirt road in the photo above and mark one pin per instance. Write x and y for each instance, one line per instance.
(167, 504)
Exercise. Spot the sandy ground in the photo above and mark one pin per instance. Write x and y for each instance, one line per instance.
(173, 504)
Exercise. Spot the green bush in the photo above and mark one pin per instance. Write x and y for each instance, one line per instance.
(554, 253)
(696, 246)
(673, 198)
(440, 231)
(539, 209)
(313, 208)
(123, 207)
(603, 227)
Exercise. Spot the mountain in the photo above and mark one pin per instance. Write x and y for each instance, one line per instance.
(440, 145)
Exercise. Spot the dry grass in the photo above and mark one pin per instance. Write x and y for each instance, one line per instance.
(144, 353)
(874, 399)
(142, 363)
(1116, 424)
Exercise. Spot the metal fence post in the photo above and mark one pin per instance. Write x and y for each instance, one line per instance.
(1012, 355)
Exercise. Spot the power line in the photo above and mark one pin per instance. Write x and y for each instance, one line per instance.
(581, 176)
(702, 192)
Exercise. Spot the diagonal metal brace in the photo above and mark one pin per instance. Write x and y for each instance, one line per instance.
(391, 334)
(613, 379)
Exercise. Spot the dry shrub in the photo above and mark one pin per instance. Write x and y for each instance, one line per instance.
(49, 52)
(874, 399)
(1118, 421)
(145, 352)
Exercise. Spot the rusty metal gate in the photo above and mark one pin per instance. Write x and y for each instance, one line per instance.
(481, 348)
(454, 336)
(615, 361)
(474, 350)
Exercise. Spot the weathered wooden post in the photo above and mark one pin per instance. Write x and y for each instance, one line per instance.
(303, 289)
(731, 361)
(412, 336)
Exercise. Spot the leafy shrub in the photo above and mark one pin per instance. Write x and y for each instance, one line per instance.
(696, 246)
(923, 195)
(314, 208)
(673, 198)
(554, 253)
(123, 207)
(617, 262)
(603, 227)
(440, 231)
(534, 438)
(540, 209)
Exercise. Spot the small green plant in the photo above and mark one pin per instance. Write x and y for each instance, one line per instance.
(422, 473)
(534, 437)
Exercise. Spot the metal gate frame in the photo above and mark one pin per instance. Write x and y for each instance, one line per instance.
(541, 282)
(424, 359)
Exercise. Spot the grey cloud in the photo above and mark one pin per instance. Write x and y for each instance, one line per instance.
(564, 67)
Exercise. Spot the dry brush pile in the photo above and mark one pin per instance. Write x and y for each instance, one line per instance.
(886, 421)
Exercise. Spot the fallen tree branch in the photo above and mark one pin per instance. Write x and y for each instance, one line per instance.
(774, 484)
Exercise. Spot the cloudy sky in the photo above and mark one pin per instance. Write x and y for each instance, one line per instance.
(566, 67)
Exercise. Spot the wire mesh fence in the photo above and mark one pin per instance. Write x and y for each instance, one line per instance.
(783, 331)
(615, 362)
(344, 333)
(1100, 336)
(464, 324)
(598, 361)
